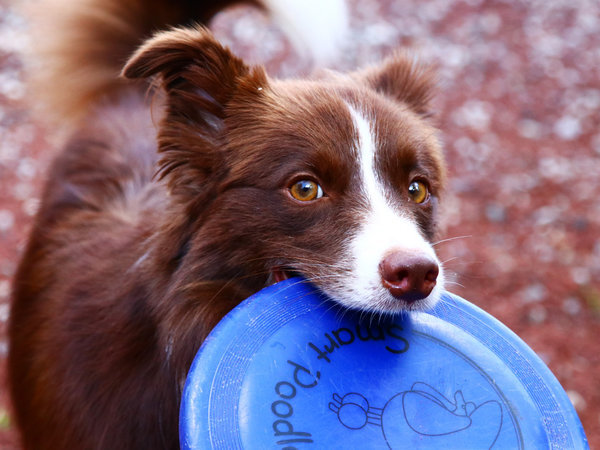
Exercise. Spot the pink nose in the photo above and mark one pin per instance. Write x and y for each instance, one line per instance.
(409, 276)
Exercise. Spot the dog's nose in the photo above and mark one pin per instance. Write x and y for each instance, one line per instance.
(409, 276)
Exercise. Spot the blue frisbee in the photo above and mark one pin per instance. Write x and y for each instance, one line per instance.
(289, 369)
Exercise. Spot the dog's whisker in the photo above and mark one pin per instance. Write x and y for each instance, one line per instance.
(455, 238)
(454, 258)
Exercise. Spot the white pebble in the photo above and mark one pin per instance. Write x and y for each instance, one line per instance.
(568, 128)
(538, 314)
(7, 220)
(571, 306)
(577, 400)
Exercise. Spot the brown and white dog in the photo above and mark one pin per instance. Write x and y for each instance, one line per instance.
(143, 243)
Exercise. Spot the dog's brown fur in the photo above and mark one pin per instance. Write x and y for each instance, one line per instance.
(125, 273)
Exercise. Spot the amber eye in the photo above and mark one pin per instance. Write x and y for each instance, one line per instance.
(306, 190)
(418, 192)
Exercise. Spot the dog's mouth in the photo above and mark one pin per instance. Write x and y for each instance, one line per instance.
(280, 274)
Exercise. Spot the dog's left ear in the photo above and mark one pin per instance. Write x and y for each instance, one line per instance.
(201, 79)
(403, 79)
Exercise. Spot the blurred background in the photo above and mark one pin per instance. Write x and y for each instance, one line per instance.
(519, 109)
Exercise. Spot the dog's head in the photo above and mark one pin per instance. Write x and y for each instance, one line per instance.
(336, 178)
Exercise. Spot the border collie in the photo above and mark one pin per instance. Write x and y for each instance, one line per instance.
(164, 211)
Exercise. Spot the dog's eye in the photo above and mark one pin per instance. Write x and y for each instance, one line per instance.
(306, 190)
(418, 192)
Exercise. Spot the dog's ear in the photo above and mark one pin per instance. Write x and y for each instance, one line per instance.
(200, 78)
(403, 79)
(186, 57)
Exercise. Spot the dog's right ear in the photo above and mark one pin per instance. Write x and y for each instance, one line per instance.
(186, 57)
(200, 77)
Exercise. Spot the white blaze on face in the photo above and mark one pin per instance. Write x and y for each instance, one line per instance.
(382, 230)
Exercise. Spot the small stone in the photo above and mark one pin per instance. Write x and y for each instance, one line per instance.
(8, 268)
(7, 220)
(530, 129)
(577, 400)
(568, 128)
(491, 22)
(581, 275)
(533, 294)
(474, 114)
(495, 213)
(31, 206)
(537, 314)
(4, 312)
(571, 306)
(26, 169)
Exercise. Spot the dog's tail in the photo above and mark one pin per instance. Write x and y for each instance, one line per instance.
(79, 47)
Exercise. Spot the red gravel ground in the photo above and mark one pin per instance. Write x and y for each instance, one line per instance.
(519, 106)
